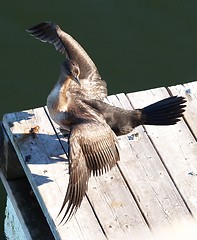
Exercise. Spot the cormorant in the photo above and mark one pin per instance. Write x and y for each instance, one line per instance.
(76, 104)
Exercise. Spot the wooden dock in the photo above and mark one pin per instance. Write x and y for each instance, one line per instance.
(153, 185)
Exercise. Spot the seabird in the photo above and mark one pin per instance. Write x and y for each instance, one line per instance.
(76, 104)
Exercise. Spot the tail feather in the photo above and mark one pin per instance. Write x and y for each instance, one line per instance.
(165, 112)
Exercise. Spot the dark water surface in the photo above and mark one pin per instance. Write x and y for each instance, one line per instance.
(136, 45)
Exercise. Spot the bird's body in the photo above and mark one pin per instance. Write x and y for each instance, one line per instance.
(76, 104)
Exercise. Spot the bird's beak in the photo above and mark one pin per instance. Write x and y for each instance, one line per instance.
(76, 79)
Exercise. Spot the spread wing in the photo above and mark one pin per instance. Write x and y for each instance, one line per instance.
(89, 77)
(92, 149)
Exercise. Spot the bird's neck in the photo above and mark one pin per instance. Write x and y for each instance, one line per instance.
(58, 98)
(63, 86)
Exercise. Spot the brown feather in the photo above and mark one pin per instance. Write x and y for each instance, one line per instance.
(93, 152)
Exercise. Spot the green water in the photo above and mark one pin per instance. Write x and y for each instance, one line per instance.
(136, 45)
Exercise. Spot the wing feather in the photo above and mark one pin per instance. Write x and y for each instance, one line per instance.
(93, 152)
(89, 77)
(78, 181)
(47, 32)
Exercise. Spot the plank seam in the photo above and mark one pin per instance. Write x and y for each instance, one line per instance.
(185, 120)
(135, 198)
(56, 132)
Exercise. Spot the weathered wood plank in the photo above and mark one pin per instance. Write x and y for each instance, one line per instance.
(27, 209)
(176, 146)
(147, 177)
(10, 165)
(1, 145)
(189, 90)
(44, 162)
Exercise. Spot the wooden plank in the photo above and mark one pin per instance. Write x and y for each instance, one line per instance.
(147, 177)
(176, 147)
(44, 163)
(188, 90)
(1, 145)
(10, 164)
(27, 209)
(112, 201)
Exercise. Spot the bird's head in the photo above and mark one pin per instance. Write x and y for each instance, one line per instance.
(70, 68)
